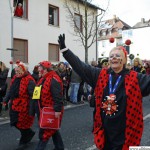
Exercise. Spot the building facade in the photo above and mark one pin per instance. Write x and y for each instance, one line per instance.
(32, 36)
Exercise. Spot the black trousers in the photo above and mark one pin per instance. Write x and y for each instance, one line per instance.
(57, 140)
(26, 135)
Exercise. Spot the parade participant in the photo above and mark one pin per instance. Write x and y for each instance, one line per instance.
(3, 84)
(19, 96)
(51, 96)
(118, 120)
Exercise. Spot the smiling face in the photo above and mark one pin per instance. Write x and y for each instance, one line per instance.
(42, 71)
(117, 59)
(19, 71)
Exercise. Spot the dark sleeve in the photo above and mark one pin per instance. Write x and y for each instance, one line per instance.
(31, 87)
(7, 97)
(144, 82)
(4, 74)
(88, 73)
(57, 95)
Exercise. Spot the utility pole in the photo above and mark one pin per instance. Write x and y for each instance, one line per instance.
(96, 35)
(12, 33)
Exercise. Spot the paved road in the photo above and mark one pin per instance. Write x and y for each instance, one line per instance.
(76, 130)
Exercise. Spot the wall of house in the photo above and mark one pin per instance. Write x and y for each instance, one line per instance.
(140, 43)
(36, 30)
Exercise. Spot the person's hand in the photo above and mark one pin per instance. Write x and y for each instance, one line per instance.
(61, 41)
(57, 114)
(4, 103)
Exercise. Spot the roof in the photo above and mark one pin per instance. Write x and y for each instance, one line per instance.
(142, 24)
(114, 23)
(90, 5)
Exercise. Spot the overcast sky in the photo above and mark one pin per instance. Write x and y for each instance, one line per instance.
(129, 11)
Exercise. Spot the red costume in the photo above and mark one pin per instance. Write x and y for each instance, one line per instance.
(47, 99)
(20, 105)
(134, 123)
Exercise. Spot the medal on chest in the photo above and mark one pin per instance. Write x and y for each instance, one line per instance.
(110, 106)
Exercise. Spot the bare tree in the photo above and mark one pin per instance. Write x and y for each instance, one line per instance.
(82, 16)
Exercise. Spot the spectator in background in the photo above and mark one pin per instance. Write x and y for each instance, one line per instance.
(128, 66)
(138, 66)
(103, 63)
(35, 73)
(147, 68)
(75, 83)
(18, 10)
(3, 84)
(94, 63)
(61, 71)
(68, 78)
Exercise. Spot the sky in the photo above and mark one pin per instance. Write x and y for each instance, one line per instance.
(129, 11)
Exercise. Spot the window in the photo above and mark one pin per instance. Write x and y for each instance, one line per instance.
(120, 31)
(22, 50)
(109, 32)
(21, 8)
(53, 52)
(103, 44)
(53, 15)
(104, 33)
(78, 22)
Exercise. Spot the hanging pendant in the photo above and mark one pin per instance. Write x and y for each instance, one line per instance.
(110, 106)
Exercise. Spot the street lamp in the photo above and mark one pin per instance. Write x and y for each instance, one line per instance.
(96, 33)
(11, 12)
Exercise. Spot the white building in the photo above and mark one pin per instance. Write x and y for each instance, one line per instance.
(35, 35)
(140, 42)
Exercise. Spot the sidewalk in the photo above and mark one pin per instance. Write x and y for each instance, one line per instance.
(4, 118)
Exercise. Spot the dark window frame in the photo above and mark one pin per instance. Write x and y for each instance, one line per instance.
(54, 7)
(21, 1)
(25, 52)
(58, 54)
(81, 29)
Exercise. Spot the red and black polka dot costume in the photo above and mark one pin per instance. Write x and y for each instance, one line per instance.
(47, 100)
(21, 104)
(134, 117)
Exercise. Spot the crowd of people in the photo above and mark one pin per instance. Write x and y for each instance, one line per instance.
(112, 86)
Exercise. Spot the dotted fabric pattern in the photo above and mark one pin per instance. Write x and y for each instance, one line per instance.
(99, 138)
(134, 113)
(21, 104)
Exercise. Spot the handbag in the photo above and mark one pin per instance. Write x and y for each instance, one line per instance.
(47, 118)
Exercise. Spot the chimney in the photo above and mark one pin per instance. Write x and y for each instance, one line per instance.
(142, 20)
(114, 16)
(114, 19)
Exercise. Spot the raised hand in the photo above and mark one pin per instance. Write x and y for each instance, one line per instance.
(61, 41)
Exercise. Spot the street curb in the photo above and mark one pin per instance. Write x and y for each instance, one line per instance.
(7, 120)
